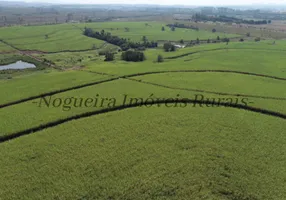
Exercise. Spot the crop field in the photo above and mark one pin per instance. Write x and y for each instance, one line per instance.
(153, 31)
(53, 38)
(208, 122)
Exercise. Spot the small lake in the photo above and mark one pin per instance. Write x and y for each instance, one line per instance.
(17, 65)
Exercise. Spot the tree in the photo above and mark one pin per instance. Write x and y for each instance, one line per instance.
(218, 38)
(182, 41)
(109, 56)
(198, 41)
(144, 39)
(214, 30)
(169, 47)
(173, 28)
(163, 28)
(241, 40)
(69, 17)
(46, 36)
(135, 56)
(248, 34)
(56, 20)
(257, 39)
(269, 21)
(160, 58)
(208, 41)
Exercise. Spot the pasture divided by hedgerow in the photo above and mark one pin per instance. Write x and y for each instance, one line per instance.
(161, 151)
(150, 153)
(53, 38)
(153, 31)
(41, 82)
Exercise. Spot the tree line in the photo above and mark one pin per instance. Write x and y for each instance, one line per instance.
(123, 43)
(223, 18)
(177, 25)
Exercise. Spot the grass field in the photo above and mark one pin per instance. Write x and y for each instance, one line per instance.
(173, 150)
(64, 37)
(152, 30)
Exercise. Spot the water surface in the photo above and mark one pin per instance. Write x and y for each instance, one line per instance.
(17, 65)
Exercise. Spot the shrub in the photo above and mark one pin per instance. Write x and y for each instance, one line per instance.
(109, 56)
(257, 39)
(169, 47)
(241, 40)
(160, 58)
(135, 56)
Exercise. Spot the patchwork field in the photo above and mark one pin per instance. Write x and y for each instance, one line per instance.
(206, 123)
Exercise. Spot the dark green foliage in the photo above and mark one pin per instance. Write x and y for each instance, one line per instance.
(135, 56)
(123, 43)
(248, 34)
(241, 40)
(225, 40)
(222, 18)
(169, 47)
(208, 41)
(198, 41)
(173, 28)
(218, 38)
(182, 26)
(109, 56)
(182, 41)
(214, 30)
(257, 39)
(144, 39)
(160, 58)
(163, 28)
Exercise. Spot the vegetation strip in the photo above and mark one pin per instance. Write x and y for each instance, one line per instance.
(217, 49)
(209, 92)
(130, 76)
(122, 107)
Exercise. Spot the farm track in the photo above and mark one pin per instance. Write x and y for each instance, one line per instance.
(22, 52)
(123, 107)
(130, 76)
(218, 49)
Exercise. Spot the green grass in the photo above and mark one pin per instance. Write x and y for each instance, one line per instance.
(143, 153)
(41, 82)
(39, 113)
(150, 153)
(75, 59)
(60, 38)
(5, 48)
(153, 31)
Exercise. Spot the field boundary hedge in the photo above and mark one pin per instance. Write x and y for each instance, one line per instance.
(122, 107)
(217, 49)
(130, 76)
(209, 92)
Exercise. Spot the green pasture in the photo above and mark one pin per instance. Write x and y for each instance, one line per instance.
(157, 152)
(40, 112)
(150, 153)
(62, 37)
(153, 31)
(41, 82)
(5, 48)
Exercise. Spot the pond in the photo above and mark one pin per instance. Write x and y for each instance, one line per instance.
(17, 65)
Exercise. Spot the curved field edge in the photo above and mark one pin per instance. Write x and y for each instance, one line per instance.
(130, 76)
(183, 154)
(151, 103)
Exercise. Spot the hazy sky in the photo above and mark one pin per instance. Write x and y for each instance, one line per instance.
(168, 2)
